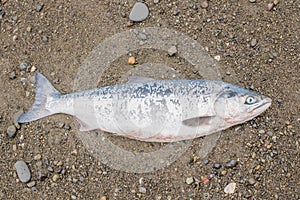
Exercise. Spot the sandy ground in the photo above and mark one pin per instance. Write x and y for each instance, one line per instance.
(258, 49)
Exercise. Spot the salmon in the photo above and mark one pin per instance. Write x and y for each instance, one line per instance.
(151, 110)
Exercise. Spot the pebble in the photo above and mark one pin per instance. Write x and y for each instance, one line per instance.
(252, 1)
(172, 51)
(37, 157)
(251, 181)
(31, 184)
(40, 7)
(142, 36)
(55, 177)
(28, 29)
(41, 175)
(139, 12)
(156, 1)
(205, 162)
(23, 66)
(131, 60)
(189, 180)
(45, 39)
(103, 198)
(231, 164)
(205, 180)
(11, 131)
(12, 75)
(271, 6)
(23, 171)
(217, 58)
(204, 4)
(73, 197)
(142, 190)
(261, 131)
(253, 42)
(217, 166)
(230, 188)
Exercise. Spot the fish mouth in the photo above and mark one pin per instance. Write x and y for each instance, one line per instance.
(266, 103)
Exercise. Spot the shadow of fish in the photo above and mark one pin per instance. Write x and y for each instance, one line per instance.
(151, 110)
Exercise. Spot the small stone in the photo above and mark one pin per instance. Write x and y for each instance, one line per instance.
(217, 166)
(271, 6)
(172, 51)
(142, 190)
(11, 131)
(55, 177)
(142, 36)
(205, 162)
(40, 7)
(103, 198)
(131, 60)
(23, 171)
(15, 37)
(31, 184)
(37, 157)
(204, 4)
(139, 12)
(176, 12)
(41, 175)
(73, 197)
(32, 69)
(50, 169)
(230, 188)
(252, 1)
(189, 180)
(23, 66)
(45, 39)
(261, 131)
(205, 180)
(253, 42)
(156, 1)
(12, 75)
(231, 164)
(276, 2)
(217, 58)
(251, 181)
(28, 29)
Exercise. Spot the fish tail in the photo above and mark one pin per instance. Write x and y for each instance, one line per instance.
(44, 90)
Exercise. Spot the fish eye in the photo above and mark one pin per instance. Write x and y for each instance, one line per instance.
(250, 100)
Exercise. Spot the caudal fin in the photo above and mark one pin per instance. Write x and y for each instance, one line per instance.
(44, 89)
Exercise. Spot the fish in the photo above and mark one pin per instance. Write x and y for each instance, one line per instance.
(151, 110)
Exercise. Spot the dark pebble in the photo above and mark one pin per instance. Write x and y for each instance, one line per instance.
(231, 164)
(217, 166)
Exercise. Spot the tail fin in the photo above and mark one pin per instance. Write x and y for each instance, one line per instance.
(44, 89)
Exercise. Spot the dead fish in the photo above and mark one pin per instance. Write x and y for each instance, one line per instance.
(151, 110)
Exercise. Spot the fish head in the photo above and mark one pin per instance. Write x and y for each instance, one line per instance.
(236, 105)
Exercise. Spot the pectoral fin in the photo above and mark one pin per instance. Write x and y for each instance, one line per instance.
(198, 121)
